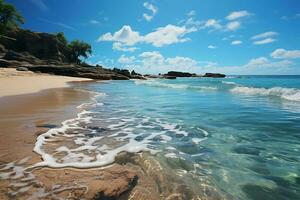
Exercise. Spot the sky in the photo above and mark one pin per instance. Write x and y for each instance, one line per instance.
(225, 36)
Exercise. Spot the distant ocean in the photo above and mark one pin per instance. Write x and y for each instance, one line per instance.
(239, 135)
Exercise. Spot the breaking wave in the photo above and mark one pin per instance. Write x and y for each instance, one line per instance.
(291, 94)
(155, 83)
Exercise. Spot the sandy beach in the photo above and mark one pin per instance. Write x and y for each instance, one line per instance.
(14, 82)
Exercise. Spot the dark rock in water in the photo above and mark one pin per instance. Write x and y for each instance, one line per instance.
(133, 73)
(169, 77)
(22, 69)
(179, 74)
(214, 75)
(121, 183)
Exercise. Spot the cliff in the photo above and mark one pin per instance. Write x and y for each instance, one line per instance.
(46, 53)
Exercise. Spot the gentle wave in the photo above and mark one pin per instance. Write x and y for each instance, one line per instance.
(173, 86)
(291, 94)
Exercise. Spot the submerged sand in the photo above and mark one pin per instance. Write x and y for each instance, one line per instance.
(24, 117)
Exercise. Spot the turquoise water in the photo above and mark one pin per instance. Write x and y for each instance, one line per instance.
(237, 136)
(243, 134)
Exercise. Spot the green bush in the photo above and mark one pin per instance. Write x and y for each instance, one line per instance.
(10, 18)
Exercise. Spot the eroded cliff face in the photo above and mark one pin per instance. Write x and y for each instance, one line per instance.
(44, 52)
(43, 46)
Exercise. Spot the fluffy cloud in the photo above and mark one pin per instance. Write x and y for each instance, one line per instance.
(121, 47)
(191, 13)
(125, 35)
(162, 36)
(155, 62)
(167, 35)
(126, 60)
(236, 42)
(152, 9)
(237, 15)
(212, 23)
(211, 47)
(232, 26)
(285, 54)
(264, 41)
(264, 35)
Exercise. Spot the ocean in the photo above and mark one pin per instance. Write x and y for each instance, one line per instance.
(239, 135)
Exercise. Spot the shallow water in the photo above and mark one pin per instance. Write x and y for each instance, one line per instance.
(240, 135)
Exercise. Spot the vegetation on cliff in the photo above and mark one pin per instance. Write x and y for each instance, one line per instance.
(10, 18)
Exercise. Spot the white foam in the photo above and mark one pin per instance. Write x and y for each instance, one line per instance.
(171, 155)
(157, 83)
(229, 83)
(291, 94)
(198, 140)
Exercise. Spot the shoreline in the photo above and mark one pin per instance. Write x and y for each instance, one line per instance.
(24, 117)
(13, 82)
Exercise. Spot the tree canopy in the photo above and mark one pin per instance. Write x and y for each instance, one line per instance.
(9, 17)
(79, 49)
(61, 37)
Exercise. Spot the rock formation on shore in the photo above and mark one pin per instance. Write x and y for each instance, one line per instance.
(44, 52)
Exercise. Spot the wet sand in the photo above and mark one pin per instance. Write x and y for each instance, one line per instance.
(132, 176)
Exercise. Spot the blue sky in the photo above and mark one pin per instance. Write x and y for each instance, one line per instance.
(155, 36)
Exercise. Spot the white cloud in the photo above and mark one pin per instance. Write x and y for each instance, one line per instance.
(152, 9)
(212, 23)
(237, 15)
(40, 4)
(264, 41)
(162, 36)
(121, 47)
(155, 62)
(126, 60)
(236, 42)
(93, 21)
(232, 26)
(125, 35)
(285, 54)
(191, 13)
(264, 35)
(169, 34)
(179, 61)
(211, 47)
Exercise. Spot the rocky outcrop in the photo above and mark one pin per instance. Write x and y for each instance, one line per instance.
(179, 74)
(43, 46)
(79, 71)
(214, 75)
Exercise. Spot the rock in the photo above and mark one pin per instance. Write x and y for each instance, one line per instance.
(133, 73)
(40, 45)
(122, 182)
(22, 57)
(22, 69)
(79, 71)
(214, 75)
(124, 72)
(4, 63)
(12, 63)
(179, 74)
(169, 77)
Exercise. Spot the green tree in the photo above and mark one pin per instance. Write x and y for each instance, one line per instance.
(10, 18)
(61, 37)
(79, 49)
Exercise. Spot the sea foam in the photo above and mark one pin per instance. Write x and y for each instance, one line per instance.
(157, 83)
(291, 94)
